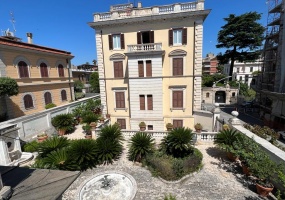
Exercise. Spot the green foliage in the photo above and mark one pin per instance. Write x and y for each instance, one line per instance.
(79, 95)
(89, 116)
(78, 86)
(226, 138)
(8, 86)
(50, 105)
(51, 144)
(94, 82)
(108, 150)
(56, 159)
(208, 80)
(169, 197)
(178, 142)
(77, 111)
(63, 121)
(31, 146)
(83, 154)
(112, 132)
(142, 124)
(92, 104)
(140, 145)
(242, 36)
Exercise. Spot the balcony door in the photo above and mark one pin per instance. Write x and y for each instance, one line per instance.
(145, 37)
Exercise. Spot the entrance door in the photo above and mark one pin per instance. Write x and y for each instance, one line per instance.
(220, 97)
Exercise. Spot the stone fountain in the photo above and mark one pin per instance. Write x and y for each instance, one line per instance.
(109, 185)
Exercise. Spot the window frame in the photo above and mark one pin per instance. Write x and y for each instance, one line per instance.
(174, 122)
(121, 41)
(183, 63)
(31, 101)
(178, 88)
(122, 69)
(26, 71)
(124, 120)
(184, 36)
(65, 95)
(44, 70)
(45, 100)
(60, 70)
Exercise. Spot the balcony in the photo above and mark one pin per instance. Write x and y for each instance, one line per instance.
(128, 11)
(144, 47)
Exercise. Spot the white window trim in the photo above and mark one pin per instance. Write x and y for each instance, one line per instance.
(22, 58)
(120, 35)
(39, 67)
(171, 64)
(52, 98)
(114, 95)
(178, 88)
(61, 96)
(177, 44)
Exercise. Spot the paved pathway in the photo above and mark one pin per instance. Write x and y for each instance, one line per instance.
(218, 179)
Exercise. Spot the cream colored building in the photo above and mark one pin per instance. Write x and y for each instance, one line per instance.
(150, 63)
(41, 73)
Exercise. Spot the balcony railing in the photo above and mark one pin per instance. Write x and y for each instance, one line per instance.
(145, 47)
(127, 10)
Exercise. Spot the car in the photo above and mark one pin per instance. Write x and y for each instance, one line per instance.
(282, 134)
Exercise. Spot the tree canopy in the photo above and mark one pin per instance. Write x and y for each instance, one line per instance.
(8, 86)
(242, 36)
(94, 82)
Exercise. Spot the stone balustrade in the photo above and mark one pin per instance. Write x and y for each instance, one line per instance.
(145, 47)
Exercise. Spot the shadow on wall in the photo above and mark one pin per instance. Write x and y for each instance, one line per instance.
(13, 110)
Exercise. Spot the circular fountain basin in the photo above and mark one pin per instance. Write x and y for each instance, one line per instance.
(122, 187)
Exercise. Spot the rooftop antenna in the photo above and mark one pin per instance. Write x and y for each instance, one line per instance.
(13, 22)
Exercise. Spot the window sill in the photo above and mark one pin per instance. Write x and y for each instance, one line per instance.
(171, 109)
(115, 109)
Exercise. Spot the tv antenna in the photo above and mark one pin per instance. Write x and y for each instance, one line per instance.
(13, 22)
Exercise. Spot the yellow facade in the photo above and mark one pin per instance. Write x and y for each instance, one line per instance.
(11, 53)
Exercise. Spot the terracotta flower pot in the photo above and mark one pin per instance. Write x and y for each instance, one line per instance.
(263, 191)
(88, 136)
(246, 170)
(42, 138)
(232, 157)
(142, 128)
(61, 132)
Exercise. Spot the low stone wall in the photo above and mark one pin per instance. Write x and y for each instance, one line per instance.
(31, 125)
(205, 118)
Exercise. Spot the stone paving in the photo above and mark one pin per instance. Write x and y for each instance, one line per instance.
(218, 179)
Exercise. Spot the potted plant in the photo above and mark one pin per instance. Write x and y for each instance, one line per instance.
(169, 126)
(226, 127)
(198, 127)
(142, 126)
(42, 137)
(93, 125)
(88, 117)
(88, 131)
(63, 123)
(76, 112)
(102, 119)
(108, 116)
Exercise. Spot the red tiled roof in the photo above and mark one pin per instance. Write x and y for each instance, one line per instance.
(19, 44)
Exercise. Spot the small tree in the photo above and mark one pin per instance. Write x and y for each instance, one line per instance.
(242, 36)
(78, 86)
(8, 86)
(94, 82)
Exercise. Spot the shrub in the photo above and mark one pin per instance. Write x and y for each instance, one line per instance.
(63, 121)
(177, 142)
(112, 132)
(89, 116)
(31, 146)
(8, 86)
(140, 145)
(169, 197)
(50, 105)
(79, 95)
(226, 138)
(52, 144)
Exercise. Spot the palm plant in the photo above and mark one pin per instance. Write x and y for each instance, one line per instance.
(89, 116)
(52, 144)
(140, 144)
(56, 159)
(178, 142)
(112, 132)
(83, 154)
(108, 150)
(226, 138)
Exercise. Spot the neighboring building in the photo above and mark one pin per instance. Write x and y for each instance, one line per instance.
(82, 73)
(150, 63)
(41, 73)
(221, 95)
(243, 71)
(270, 85)
(210, 64)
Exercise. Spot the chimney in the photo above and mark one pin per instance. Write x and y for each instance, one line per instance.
(139, 4)
(30, 38)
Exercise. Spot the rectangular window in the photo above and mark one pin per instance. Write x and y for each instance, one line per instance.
(148, 68)
(177, 66)
(149, 102)
(150, 127)
(238, 70)
(177, 99)
(141, 68)
(177, 37)
(246, 78)
(118, 69)
(240, 78)
(122, 123)
(120, 99)
(177, 123)
(142, 102)
(251, 69)
(116, 41)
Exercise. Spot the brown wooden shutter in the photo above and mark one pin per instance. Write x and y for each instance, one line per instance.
(118, 69)
(47, 97)
(122, 41)
(141, 68)
(142, 102)
(177, 123)
(28, 101)
(151, 37)
(170, 34)
(120, 100)
(139, 37)
(184, 36)
(110, 42)
(177, 99)
(149, 102)
(63, 95)
(148, 68)
(177, 66)
(122, 123)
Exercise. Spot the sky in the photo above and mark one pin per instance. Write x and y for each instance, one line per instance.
(62, 24)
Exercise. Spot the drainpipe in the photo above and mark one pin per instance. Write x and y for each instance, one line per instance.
(193, 72)
(104, 73)
(69, 78)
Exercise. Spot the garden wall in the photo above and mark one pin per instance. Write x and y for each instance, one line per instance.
(31, 125)
(205, 118)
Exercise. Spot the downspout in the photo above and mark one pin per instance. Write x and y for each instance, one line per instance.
(193, 71)
(104, 72)
(69, 78)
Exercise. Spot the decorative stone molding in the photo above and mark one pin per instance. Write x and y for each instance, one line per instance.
(177, 52)
(22, 104)
(117, 56)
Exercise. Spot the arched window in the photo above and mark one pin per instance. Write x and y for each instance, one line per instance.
(28, 101)
(44, 70)
(63, 95)
(48, 99)
(207, 94)
(60, 70)
(23, 69)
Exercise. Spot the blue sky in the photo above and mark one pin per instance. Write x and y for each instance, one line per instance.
(62, 24)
